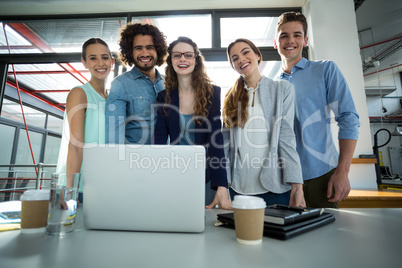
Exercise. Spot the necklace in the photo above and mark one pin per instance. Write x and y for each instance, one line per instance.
(253, 90)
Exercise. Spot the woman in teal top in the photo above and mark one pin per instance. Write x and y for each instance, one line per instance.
(84, 119)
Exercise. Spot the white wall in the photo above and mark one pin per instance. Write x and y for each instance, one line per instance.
(333, 35)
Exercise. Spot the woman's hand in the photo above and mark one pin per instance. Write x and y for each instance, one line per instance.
(297, 196)
(221, 199)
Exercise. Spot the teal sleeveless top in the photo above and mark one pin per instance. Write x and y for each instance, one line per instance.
(94, 124)
(94, 117)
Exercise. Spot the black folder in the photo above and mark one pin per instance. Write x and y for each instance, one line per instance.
(286, 215)
(284, 232)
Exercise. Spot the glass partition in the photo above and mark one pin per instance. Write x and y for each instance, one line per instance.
(54, 124)
(18, 43)
(260, 30)
(12, 111)
(59, 35)
(196, 27)
(51, 154)
(7, 134)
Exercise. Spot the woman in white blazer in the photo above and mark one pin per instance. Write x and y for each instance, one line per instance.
(259, 140)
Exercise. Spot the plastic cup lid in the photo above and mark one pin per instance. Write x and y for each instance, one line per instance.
(35, 195)
(248, 202)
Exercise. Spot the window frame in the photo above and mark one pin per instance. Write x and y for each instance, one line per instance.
(215, 53)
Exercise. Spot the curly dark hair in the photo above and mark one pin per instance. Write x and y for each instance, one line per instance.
(199, 80)
(127, 37)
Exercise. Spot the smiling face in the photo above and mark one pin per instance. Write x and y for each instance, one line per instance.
(243, 59)
(98, 61)
(184, 64)
(290, 41)
(144, 53)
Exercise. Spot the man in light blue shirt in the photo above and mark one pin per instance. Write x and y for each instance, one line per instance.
(320, 89)
(129, 117)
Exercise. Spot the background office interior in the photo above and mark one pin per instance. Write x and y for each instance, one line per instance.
(362, 37)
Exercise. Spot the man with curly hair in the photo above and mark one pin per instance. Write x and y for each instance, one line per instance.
(128, 108)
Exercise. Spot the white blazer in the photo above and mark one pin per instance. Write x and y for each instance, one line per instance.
(277, 99)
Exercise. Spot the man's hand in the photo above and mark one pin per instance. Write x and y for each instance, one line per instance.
(297, 196)
(221, 199)
(339, 182)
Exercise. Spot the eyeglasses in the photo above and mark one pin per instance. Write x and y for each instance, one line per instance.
(187, 55)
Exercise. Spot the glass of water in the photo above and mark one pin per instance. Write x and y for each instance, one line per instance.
(63, 203)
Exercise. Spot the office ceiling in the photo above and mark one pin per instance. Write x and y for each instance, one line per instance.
(43, 7)
(379, 22)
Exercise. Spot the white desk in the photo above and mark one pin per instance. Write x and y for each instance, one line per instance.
(358, 238)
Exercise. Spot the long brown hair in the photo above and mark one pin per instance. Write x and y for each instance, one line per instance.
(199, 80)
(234, 110)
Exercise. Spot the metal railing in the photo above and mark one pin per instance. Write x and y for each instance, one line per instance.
(14, 178)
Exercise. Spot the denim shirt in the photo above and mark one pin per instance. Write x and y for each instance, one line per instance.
(129, 118)
(320, 88)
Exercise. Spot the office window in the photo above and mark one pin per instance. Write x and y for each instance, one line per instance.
(60, 35)
(54, 124)
(7, 134)
(18, 44)
(40, 78)
(223, 75)
(51, 154)
(24, 156)
(52, 149)
(260, 30)
(12, 110)
(53, 81)
(196, 27)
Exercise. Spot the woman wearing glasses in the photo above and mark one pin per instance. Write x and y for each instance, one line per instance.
(189, 114)
(261, 146)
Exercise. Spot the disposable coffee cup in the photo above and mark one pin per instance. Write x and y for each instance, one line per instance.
(249, 219)
(34, 211)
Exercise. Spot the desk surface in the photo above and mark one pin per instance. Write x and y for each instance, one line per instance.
(358, 238)
(375, 193)
(373, 199)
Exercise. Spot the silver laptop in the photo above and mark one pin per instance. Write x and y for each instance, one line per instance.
(144, 188)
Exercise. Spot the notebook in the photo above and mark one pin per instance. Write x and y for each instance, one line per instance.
(283, 232)
(286, 215)
(144, 188)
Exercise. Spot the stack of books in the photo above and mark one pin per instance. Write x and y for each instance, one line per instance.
(284, 222)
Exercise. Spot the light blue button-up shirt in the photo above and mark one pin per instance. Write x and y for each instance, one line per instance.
(321, 88)
(129, 115)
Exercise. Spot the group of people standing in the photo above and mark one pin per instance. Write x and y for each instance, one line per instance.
(275, 141)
